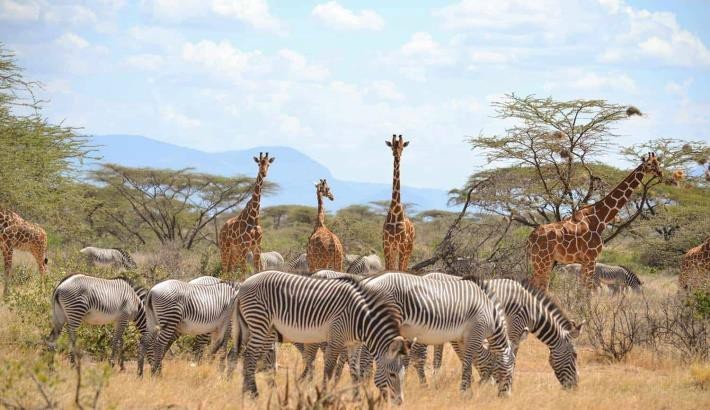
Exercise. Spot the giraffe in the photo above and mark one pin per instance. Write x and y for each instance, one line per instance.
(578, 238)
(695, 268)
(242, 233)
(324, 248)
(398, 231)
(18, 234)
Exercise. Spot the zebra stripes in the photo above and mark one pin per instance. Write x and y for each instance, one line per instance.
(115, 257)
(366, 265)
(177, 308)
(312, 310)
(437, 312)
(527, 310)
(616, 278)
(96, 301)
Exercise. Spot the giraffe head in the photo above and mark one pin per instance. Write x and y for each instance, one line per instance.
(323, 189)
(264, 161)
(397, 144)
(651, 165)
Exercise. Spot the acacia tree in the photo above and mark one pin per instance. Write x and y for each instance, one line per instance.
(551, 157)
(38, 159)
(171, 205)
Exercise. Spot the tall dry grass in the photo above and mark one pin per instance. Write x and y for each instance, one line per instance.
(645, 379)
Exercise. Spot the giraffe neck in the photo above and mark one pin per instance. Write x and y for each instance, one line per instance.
(607, 208)
(320, 222)
(396, 195)
(252, 208)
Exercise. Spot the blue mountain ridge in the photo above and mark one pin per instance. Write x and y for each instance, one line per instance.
(294, 171)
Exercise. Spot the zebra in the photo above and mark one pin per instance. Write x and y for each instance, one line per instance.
(269, 260)
(366, 265)
(309, 351)
(80, 298)
(436, 312)
(298, 264)
(115, 257)
(174, 307)
(616, 278)
(528, 310)
(310, 310)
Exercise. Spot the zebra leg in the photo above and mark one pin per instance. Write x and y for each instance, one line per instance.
(255, 347)
(468, 350)
(198, 346)
(145, 348)
(343, 357)
(438, 356)
(117, 342)
(335, 346)
(166, 335)
(417, 354)
(309, 356)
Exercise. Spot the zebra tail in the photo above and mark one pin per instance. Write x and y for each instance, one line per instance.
(151, 320)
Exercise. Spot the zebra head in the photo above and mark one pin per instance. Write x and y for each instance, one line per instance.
(390, 372)
(563, 357)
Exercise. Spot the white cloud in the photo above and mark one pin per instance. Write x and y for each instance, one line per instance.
(147, 62)
(385, 90)
(298, 66)
(69, 14)
(589, 81)
(418, 55)
(468, 14)
(221, 58)
(338, 17)
(611, 6)
(18, 11)
(291, 126)
(171, 115)
(253, 12)
(57, 86)
(490, 57)
(72, 41)
(656, 36)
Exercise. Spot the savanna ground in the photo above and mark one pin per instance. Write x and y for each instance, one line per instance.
(645, 378)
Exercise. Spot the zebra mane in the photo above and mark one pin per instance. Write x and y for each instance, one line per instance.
(136, 287)
(65, 278)
(549, 304)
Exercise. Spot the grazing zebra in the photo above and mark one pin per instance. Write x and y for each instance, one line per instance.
(299, 264)
(309, 351)
(349, 259)
(310, 310)
(616, 278)
(96, 301)
(437, 312)
(269, 260)
(115, 257)
(527, 310)
(366, 265)
(177, 308)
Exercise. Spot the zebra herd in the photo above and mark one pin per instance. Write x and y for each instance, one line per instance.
(387, 318)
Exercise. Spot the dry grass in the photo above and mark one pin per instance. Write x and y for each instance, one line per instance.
(643, 380)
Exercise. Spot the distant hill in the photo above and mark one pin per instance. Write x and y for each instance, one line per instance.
(294, 171)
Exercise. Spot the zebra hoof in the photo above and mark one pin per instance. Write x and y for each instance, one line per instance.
(505, 393)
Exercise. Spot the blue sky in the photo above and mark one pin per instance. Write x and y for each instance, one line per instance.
(334, 79)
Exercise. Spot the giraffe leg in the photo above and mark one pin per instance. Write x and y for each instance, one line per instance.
(7, 259)
(587, 275)
(404, 258)
(389, 258)
(226, 258)
(40, 259)
(256, 250)
(541, 272)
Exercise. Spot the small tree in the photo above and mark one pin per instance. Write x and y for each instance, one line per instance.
(38, 160)
(173, 206)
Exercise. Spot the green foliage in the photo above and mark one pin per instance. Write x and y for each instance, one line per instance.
(38, 159)
(169, 205)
